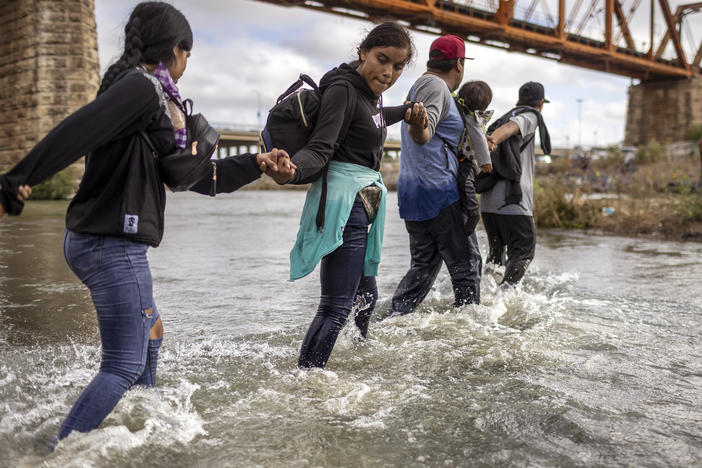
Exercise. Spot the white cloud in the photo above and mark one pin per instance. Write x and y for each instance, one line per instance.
(246, 53)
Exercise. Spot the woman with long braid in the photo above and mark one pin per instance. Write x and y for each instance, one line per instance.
(118, 211)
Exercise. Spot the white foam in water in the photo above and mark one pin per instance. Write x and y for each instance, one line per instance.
(375, 420)
(160, 417)
(253, 391)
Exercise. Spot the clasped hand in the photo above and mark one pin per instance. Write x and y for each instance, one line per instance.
(417, 115)
(277, 165)
(24, 192)
(492, 144)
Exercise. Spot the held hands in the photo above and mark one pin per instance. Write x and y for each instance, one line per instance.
(492, 145)
(418, 121)
(24, 192)
(277, 165)
(417, 115)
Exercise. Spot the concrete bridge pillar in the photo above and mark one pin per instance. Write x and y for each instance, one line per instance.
(663, 110)
(48, 68)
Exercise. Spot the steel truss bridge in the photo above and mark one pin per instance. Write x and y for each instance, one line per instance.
(527, 26)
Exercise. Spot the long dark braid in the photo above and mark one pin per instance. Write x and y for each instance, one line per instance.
(152, 31)
(131, 56)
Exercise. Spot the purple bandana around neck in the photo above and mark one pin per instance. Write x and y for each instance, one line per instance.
(181, 134)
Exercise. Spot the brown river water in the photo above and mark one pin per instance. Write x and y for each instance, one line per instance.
(595, 360)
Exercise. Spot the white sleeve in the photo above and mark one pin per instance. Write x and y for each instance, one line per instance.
(527, 123)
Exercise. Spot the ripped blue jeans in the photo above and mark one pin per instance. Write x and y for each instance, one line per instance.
(117, 273)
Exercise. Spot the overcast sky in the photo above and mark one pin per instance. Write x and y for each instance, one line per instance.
(246, 53)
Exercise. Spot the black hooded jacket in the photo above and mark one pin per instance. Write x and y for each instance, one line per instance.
(365, 138)
(121, 193)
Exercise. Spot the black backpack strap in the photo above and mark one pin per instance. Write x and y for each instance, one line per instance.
(461, 110)
(543, 131)
(149, 143)
(297, 85)
(455, 151)
(524, 145)
(350, 110)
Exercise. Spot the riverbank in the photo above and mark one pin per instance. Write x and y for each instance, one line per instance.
(657, 198)
(660, 198)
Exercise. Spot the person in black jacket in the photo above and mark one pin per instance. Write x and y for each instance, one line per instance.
(118, 211)
(343, 154)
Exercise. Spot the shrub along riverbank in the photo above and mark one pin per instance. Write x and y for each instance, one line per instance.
(650, 195)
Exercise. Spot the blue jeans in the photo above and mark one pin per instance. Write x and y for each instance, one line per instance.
(117, 273)
(343, 288)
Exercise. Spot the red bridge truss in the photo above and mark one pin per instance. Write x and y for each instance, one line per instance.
(504, 24)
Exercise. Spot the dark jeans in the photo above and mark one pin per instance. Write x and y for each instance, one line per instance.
(117, 273)
(467, 172)
(516, 233)
(343, 288)
(437, 240)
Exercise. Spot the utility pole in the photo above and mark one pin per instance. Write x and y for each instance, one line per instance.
(580, 123)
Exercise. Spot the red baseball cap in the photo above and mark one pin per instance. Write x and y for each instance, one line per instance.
(448, 47)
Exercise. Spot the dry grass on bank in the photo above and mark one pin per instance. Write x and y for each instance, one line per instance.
(659, 198)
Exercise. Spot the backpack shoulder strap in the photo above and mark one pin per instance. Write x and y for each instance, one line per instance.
(522, 110)
(149, 143)
(455, 151)
(350, 110)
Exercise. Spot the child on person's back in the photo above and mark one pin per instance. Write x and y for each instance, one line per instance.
(473, 150)
(473, 98)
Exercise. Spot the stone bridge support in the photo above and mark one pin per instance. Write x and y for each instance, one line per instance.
(663, 110)
(48, 68)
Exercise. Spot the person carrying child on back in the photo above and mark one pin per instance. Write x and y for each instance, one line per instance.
(427, 188)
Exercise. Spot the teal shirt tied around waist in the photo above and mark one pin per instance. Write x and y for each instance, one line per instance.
(344, 181)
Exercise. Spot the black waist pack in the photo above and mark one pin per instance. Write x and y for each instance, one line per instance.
(183, 169)
(484, 181)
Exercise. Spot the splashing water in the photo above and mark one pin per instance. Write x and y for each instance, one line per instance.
(592, 360)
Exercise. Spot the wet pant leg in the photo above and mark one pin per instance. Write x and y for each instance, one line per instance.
(476, 264)
(117, 273)
(148, 377)
(364, 303)
(449, 232)
(521, 246)
(432, 241)
(496, 242)
(340, 275)
(424, 268)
